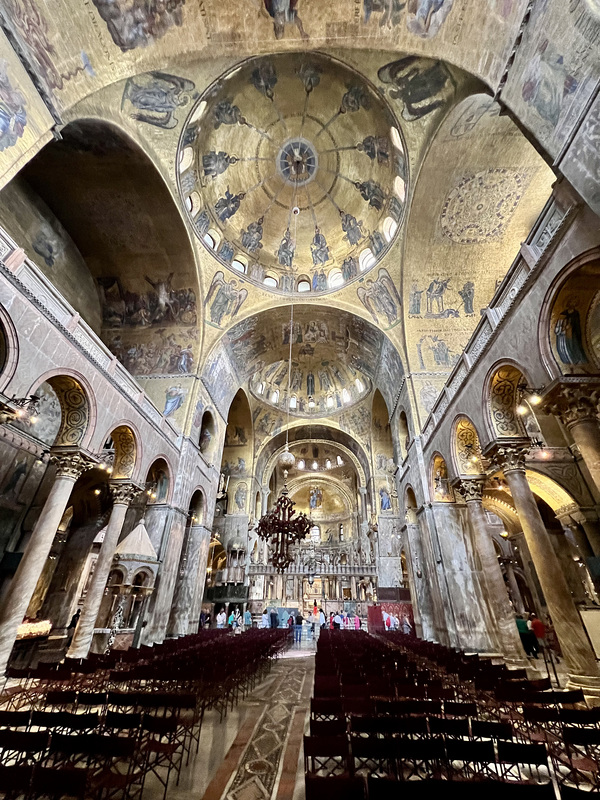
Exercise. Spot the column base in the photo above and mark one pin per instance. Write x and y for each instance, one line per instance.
(589, 684)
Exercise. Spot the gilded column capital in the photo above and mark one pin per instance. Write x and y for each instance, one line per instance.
(123, 492)
(471, 489)
(71, 464)
(510, 456)
(573, 402)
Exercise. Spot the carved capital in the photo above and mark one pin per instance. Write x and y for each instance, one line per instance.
(71, 465)
(471, 489)
(573, 402)
(123, 493)
(510, 457)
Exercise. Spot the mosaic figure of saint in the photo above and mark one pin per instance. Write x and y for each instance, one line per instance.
(228, 205)
(285, 253)
(319, 249)
(215, 163)
(352, 228)
(252, 236)
(372, 192)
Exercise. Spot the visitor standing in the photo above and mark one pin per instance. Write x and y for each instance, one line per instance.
(221, 618)
(231, 620)
(356, 622)
(337, 622)
(406, 626)
(274, 619)
(526, 636)
(264, 620)
(298, 628)
(322, 620)
(247, 619)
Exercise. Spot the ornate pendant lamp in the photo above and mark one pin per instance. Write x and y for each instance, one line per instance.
(282, 526)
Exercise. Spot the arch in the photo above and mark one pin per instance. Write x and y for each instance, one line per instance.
(154, 259)
(403, 433)
(501, 398)
(208, 431)
(410, 505)
(197, 506)
(569, 327)
(264, 473)
(465, 447)
(126, 451)
(159, 482)
(77, 408)
(441, 490)
(9, 348)
(548, 490)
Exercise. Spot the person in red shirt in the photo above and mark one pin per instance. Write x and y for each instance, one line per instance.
(539, 630)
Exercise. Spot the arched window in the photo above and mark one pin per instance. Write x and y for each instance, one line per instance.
(186, 159)
(335, 278)
(400, 188)
(346, 395)
(293, 402)
(396, 138)
(359, 385)
(270, 281)
(340, 461)
(366, 259)
(303, 285)
(390, 226)
(301, 464)
(198, 111)
(330, 402)
(328, 464)
(239, 265)
(275, 397)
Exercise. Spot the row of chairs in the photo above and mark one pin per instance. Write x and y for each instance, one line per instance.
(393, 712)
(112, 731)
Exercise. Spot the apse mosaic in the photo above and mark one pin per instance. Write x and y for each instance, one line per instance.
(293, 171)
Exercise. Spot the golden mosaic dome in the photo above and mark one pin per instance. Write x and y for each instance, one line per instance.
(293, 171)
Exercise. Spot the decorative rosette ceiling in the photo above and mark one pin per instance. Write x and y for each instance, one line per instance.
(293, 171)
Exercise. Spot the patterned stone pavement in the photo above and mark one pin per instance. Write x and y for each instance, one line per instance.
(268, 765)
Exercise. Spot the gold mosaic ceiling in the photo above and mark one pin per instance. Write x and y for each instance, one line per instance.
(293, 170)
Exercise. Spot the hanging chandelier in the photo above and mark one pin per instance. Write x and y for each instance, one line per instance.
(283, 527)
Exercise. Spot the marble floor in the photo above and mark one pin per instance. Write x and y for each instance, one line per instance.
(256, 752)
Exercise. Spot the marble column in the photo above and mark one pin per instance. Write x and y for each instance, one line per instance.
(122, 493)
(517, 598)
(576, 405)
(364, 511)
(191, 568)
(423, 591)
(69, 466)
(265, 493)
(497, 596)
(578, 654)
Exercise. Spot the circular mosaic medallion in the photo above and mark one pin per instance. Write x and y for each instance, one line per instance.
(480, 207)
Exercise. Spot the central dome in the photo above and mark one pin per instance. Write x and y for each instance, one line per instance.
(293, 171)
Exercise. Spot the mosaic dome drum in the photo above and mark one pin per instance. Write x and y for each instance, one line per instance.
(293, 171)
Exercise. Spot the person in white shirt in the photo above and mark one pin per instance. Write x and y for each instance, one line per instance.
(264, 620)
(337, 621)
(322, 620)
(221, 618)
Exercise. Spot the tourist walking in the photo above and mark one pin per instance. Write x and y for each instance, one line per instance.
(264, 620)
(274, 619)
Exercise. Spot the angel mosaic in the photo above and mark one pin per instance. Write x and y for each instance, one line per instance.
(381, 298)
(226, 299)
(156, 96)
(283, 13)
(417, 83)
